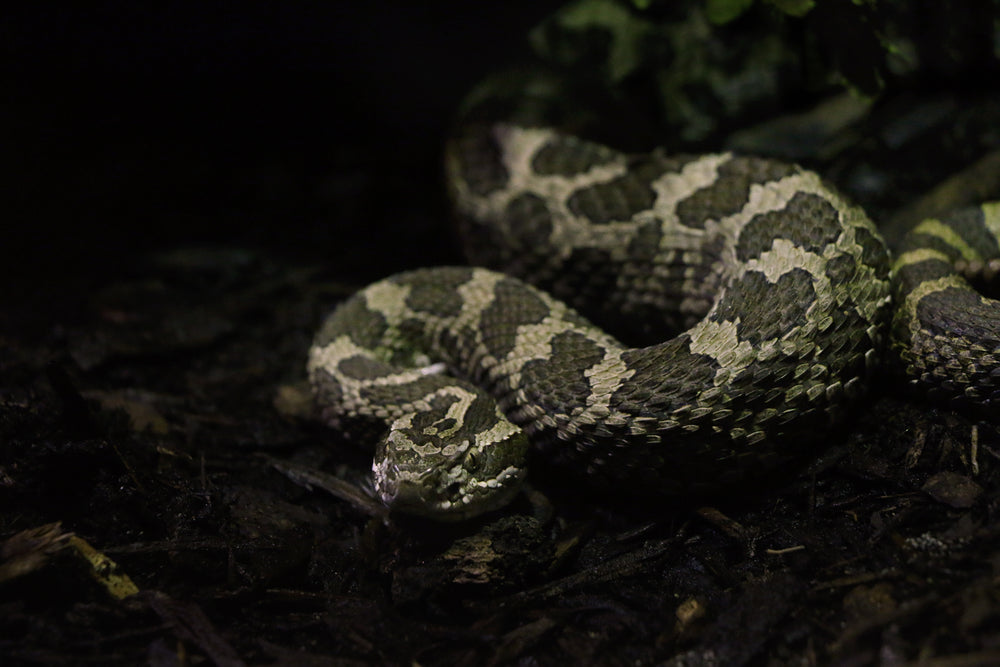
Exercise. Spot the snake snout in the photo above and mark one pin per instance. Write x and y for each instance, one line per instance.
(447, 478)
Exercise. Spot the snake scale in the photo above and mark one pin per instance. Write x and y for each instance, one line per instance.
(764, 303)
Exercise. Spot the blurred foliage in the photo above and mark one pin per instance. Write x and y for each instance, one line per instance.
(863, 43)
(724, 11)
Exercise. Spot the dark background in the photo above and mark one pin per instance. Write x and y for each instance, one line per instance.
(295, 127)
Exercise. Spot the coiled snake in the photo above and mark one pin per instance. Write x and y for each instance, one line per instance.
(780, 289)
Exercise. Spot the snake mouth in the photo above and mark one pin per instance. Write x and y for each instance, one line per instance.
(451, 468)
(434, 496)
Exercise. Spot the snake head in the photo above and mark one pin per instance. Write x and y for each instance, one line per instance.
(448, 473)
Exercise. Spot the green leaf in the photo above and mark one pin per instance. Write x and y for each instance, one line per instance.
(795, 8)
(724, 11)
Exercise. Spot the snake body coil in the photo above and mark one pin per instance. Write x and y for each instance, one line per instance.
(754, 298)
(784, 284)
(945, 334)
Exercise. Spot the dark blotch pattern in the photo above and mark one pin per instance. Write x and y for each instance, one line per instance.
(513, 305)
(667, 376)
(481, 166)
(364, 326)
(569, 156)
(970, 224)
(841, 269)
(514, 242)
(766, 310)
(873, 252)
(437, 295)
(951, 349)
(644, 247)
(936, 243)
(728, 194)
(559, 383)
(435, 417)
(365, 367)
(590, 281)
(530, 220)
(961, 312)
(808, 220)
(619, 199)
(909, 276)
(405, 393)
